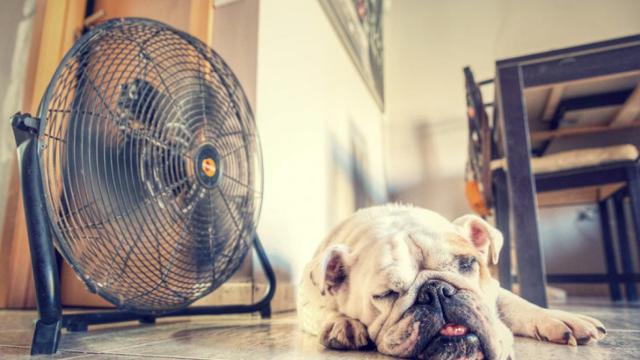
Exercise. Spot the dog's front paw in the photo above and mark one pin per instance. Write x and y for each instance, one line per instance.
(344, 333)
(562, 327)
(505, 349)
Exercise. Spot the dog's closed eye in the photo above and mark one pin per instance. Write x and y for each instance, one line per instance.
(387, 295)
(466, 264)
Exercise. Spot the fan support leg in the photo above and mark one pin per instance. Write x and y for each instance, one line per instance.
(43, 260)
(265, 303)
(265, 312)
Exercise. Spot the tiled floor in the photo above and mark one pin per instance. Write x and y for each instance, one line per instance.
(249, 337)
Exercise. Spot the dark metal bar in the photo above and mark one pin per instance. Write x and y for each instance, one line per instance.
(503, 219)
(596, 175)
(574, 50)
(625, 249)
(591, 278)
(592, 101)
(568, 68)
(608, 252)
(633, 188)
(521, 185)
(486, 82)
(43, 260)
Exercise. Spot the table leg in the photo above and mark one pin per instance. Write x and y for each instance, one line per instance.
(625, 248)
(520, 184)
(609, 252)
(633, 186)
(501, 200)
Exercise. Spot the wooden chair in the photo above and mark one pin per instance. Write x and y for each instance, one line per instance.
(612, 172)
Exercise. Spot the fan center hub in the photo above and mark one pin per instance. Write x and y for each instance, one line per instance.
(207, 165)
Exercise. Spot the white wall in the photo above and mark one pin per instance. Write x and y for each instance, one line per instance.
(308, 91)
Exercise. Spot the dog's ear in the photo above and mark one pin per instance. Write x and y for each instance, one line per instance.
(334, 269)
(487, 239)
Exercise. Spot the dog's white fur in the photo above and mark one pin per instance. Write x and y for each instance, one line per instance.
(398, 247)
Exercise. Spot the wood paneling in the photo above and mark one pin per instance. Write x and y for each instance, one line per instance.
(571, 131)
(577, 196)
(555, 95)
(630, 111)
(192, 16)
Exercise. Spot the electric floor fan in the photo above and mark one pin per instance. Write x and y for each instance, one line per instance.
(143, 169)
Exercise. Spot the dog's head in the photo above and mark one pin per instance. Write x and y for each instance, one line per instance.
(420, 283)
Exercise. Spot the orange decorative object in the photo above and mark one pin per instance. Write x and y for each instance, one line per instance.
(471, 112)
(475, 198)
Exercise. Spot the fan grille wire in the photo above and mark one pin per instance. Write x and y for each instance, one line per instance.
(124, 118)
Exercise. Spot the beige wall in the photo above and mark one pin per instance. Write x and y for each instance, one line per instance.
(308, 93)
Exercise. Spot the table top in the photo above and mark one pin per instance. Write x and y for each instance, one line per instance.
(590, 89)
(571, 51)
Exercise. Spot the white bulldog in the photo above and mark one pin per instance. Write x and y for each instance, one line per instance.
(409, 283)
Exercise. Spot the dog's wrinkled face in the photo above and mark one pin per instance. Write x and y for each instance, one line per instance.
(424, 291)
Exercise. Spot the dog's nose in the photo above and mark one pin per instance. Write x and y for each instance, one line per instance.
(435, 291)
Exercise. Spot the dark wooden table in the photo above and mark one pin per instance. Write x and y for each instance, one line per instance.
(513, 78)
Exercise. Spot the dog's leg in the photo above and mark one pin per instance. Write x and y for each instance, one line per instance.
(344, 333)
(334, 330)
(527, 319)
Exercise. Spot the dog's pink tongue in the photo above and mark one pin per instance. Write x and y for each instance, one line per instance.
(453, 330)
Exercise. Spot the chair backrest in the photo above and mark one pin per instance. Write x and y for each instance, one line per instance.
(480, 145)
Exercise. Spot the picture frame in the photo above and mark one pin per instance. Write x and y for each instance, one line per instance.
(359, 26)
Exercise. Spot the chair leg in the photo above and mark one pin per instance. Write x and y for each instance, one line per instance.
(625, 249)
(608, 251)
(501, 198)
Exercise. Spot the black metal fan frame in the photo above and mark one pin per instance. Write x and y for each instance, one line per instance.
(45, 264)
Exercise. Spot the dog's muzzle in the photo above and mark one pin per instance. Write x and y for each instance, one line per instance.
(450, 325)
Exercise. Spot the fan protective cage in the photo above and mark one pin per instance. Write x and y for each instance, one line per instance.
(151, 165)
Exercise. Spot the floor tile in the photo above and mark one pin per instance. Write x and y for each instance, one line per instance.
(22, 352)
(617, 345)
(249, 337)
(613, 315)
